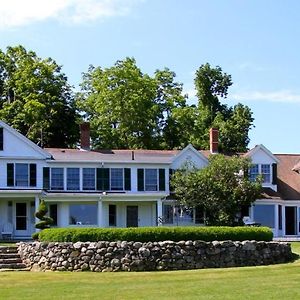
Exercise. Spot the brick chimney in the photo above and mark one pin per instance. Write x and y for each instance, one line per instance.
(85, 136)
(213, 140)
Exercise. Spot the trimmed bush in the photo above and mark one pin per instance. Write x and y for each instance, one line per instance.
(155, 234)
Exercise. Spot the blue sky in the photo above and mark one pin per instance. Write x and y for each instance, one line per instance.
(256, 41)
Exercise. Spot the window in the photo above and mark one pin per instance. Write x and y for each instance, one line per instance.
(168, 213)
(116, 179)
(266, 173)
(88, 179)
(83, 214)
(1, 138)
(254, 172)
(57, 178)
(151, 179)
(112, 215)
(22, 175)
(264, 214)
(73, 179)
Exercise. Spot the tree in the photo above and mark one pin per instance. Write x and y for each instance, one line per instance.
(234, 123)
(221, 189)
(130, 109)
(36, 99)
(41, 213)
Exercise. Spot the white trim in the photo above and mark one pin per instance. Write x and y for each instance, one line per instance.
(190, 147)
(264, 149)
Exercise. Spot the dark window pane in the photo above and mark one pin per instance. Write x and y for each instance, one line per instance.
(53, 213)
(112, 215)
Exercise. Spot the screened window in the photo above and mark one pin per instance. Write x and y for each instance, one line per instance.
(116, 181)
(254, 172)
(57, 178)
(73, 179)
(266, 173)
(22, 176)
(83, 214)
(151, 179)
(264, 214)
(88, 178)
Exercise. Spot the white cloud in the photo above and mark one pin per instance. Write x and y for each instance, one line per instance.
(17, 13)
(283, 96)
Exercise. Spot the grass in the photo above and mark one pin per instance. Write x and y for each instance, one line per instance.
(266, 282)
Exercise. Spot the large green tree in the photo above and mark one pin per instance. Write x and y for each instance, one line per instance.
(234, 123)
(36, 98)
(221, 189)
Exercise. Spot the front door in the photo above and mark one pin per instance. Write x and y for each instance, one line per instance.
(290, 220)
(21, 219)
(132, 216)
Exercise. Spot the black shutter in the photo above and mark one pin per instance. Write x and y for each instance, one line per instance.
(102, 179)
(171, 172)
(141, 186)
(162, 180)
(127, 175)
(46, 178)
(10, 175)
(53, 213)
(32, 176)
(274, 171)
(1, 138)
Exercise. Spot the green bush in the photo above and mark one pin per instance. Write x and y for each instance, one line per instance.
(152, 234)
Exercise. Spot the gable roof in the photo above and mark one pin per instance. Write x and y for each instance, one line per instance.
(187, 148)
(262, 148)
(25, 140)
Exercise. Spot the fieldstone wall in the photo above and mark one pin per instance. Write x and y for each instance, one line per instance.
(135, 256)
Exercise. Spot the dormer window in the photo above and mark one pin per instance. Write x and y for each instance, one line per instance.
(260, 169)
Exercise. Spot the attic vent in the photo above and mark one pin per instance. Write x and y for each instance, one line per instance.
(132, 155)
(63, 151)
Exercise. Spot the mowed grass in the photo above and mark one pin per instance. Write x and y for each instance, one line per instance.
(266, 282)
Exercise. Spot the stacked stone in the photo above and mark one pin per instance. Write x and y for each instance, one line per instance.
(107, 256)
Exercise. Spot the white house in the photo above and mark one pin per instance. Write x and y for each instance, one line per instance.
(126, 188)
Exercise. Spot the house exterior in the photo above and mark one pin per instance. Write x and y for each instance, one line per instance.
(126, 188)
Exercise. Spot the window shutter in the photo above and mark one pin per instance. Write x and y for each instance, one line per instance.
(127, 174)
(141, 186)
(32, 175)
(10, 175)
(162, 180)
(274, 172)
(1, 138)
(171, 172)
(102, 179)
(46, 178)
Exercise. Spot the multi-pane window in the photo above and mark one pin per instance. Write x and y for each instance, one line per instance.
(73, 179)
(150, 179)
(116, 181)
(266, 173)
(88, 179)
(22, 175)
(57, 178)
(254, 172)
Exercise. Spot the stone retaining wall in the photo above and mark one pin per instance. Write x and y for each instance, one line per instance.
(135, 256)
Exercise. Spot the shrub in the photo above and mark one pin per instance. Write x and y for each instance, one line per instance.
(152, 234)
(35, 236)
(45, 221)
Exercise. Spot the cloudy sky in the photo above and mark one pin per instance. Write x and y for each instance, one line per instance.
(255, 41)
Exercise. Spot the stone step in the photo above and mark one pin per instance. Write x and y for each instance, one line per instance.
(4, 249)
(10, 260)
(9, 255)
(13, 266)
(15, 270)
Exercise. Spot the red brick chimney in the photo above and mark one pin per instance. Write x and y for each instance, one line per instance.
(85, 136)
(213, 140)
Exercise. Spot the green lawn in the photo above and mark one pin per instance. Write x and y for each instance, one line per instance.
(267, 282)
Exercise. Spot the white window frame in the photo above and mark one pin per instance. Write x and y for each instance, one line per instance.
(64, 181)
(15, 174)
(157, 179)
(95, 180)
(110, 179)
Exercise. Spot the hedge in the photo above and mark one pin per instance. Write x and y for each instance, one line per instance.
(152, 234)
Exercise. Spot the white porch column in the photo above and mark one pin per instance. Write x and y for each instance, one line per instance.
(36, 203)
(276, 220)
(100, 213)
(159, 212)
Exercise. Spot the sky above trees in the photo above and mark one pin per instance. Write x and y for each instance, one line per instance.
(254, 41)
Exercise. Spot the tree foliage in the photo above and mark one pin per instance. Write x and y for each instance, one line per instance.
(36, 98)
(221, 188)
